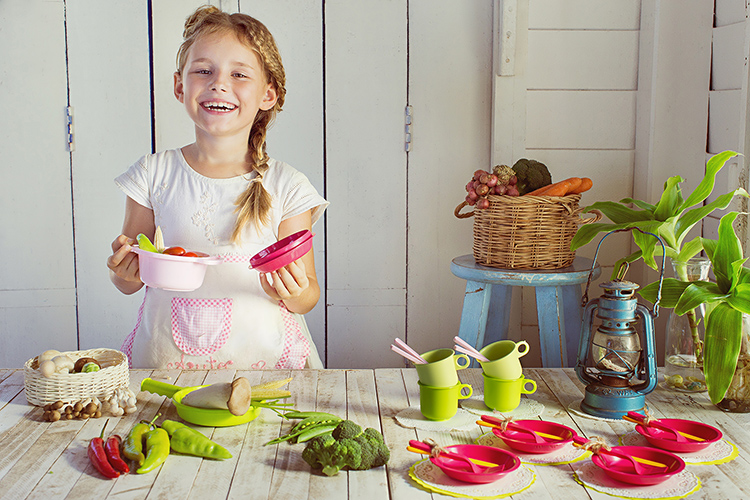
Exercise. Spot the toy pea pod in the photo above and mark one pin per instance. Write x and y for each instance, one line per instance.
(157, 450)
(187, 440)
(144, 243)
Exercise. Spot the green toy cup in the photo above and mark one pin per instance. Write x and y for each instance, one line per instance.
(441, 366)
(505, 395)
(504, 359)
(441, 403)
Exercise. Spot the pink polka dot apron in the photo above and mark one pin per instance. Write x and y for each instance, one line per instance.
(229, 322)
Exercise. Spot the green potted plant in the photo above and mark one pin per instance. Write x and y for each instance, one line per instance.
(726, 358)
(672, 219)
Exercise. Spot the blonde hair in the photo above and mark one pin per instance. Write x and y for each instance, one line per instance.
(254, 203)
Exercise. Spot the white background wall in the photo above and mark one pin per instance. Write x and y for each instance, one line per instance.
(604, 89)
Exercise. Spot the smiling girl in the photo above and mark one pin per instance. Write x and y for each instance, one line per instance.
(222, 195)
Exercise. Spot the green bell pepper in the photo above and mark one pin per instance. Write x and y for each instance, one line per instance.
(132, 446)
(157, 450)
(191, 442)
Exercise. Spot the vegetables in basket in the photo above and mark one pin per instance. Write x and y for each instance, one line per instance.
(531, 175)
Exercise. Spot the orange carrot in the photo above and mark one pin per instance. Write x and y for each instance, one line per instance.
(540, 191)
(560, 188)
(564, 187)
(586, 184)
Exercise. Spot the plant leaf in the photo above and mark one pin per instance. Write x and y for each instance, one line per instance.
(721, 349)
(744, 276)
(587, 232)
(709, 246)
(671, 291)
(671, 199)
(704, 188)
(690, 249)
(728, 250)
(692, 217)
(648, 244)
(640, 204)
(737, 267)
(667, 234)
(740, 298)
(619, 213)
(630, 258)
(697, 293)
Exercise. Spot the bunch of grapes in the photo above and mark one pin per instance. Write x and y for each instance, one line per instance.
(501, 182)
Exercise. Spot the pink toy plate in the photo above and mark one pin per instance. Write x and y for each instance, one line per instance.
(173, 272)
(621, 469)
(666, 440)
(284, 251)
(460, 471)
(524, 442)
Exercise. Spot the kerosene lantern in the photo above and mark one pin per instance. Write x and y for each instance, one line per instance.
(612, 361)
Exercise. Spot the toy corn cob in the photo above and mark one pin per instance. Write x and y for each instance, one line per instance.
(236, 396)
(159, 240)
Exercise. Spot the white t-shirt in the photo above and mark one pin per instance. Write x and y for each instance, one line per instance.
(229, 322)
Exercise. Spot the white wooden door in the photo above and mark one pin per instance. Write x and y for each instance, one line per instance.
(366, 65)
(108, 68)
(37, 275)
(450, 95)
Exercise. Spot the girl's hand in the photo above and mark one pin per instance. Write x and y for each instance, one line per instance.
(286, 283)
(123, 265)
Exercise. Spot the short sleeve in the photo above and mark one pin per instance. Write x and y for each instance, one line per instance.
(301, 197)
(134, 183)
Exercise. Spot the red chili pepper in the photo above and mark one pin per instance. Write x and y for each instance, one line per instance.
(112, 447)
(98, 456)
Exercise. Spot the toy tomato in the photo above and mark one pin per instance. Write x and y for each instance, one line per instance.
(175, 251)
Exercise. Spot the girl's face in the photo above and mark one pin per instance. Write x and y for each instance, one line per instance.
(223, 86)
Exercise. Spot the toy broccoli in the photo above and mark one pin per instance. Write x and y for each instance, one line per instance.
(348, 446)
(531, 175)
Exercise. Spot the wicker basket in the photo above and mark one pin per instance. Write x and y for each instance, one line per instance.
(74, 387)
(526, 232)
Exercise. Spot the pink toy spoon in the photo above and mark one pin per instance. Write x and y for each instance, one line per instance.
(426, 448)
(680, 437)
(581, 442)
(498, 423)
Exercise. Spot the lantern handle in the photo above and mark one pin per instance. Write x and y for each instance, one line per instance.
(625, 266)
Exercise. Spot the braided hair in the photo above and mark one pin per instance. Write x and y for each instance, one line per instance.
(254, 203)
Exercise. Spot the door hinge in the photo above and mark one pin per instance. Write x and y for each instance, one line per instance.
(69, 128)
(407, 129)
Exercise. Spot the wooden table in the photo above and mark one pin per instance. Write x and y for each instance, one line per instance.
(49, 461)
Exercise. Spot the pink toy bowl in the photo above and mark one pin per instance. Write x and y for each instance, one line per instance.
(621, 469)
(666, 439)
(173, 272)
(460, 470)
(287, 250)
(524, 442)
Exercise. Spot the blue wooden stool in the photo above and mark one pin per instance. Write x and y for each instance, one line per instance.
(558, 303)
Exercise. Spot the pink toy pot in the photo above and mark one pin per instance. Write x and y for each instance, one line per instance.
(523, 442)
(287, 250)
(622, 470)
(459, 470)
(666, 440)
(173, 272)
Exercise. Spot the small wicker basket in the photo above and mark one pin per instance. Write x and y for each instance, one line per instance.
(526, 232)
(73, 387)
